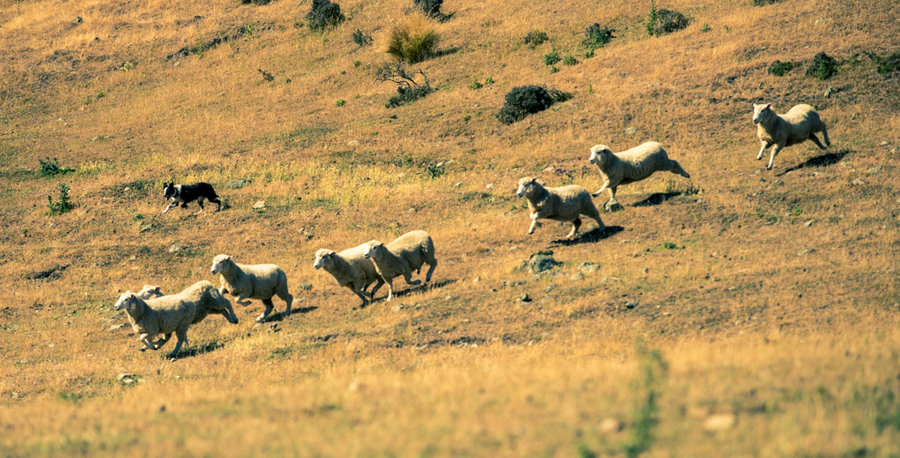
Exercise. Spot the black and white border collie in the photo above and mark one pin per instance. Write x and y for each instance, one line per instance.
(184, 194)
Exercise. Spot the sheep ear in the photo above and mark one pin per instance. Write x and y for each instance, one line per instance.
(768, 106)
(157, 289)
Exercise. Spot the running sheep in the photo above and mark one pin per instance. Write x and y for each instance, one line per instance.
(351, 269)
(170, 314)
(565, 203)
(402, 256)
(259, 281)
(799, 124)
(631, 165)
(208, 298)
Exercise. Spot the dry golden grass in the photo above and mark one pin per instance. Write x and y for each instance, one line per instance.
(769, 296)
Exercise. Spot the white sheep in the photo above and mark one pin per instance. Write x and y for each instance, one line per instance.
(799, 124)
(400, 257)
(631, 165)
(351, 269)
(204, 293)
(260, 281)
(564, 203)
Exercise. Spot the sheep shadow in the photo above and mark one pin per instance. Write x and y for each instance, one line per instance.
(592, 236)
(196, 350)
(412, 289)
(280, 316)
(657, 198)
(823, 160)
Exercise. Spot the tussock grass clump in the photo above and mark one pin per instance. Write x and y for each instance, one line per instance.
(413, 40)
(662, 21)
(522, 101)
(535, 38)
(889, 64)
(324, 14)
(597, 36)
(779, 68)
(822, 67)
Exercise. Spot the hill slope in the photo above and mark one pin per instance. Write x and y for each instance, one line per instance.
(764, 300)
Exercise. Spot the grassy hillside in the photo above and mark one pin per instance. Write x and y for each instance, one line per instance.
(741, 312)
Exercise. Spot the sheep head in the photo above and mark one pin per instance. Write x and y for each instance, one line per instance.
(131, 303)
(599, 154)
(762, 112)
(528, 186)
(149, 292)
(373, 247)
(219, 263)
(323, 257)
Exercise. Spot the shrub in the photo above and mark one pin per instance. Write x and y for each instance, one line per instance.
(524, 100)
(534, 38)
(50, 167)
(413, 41)
(570, 60)
(554, 69)
(340, 103)
(823, 66)
(779, 68)
(432, 9)
(361, 38)
(597, 36)
(256, 2)
(662, 21)
(551, 58)
(705, 28)
(475, 84)
(62, 203)
(889, 64)
(764, 2)
(408, 90)
(324, 14)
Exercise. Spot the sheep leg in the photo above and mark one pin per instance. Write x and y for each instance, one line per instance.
(409, 281)
(378, 284)
(602, 188)
(159, 343)
(534, 219)
(390, 285)
(361, 296)
(593, 213)
(147, 342)
(289, 300)
(825, 135)
(269, 306)
(762, 150)
(612, 198)
(218, 203)
(815, 140)
(575, 225)
(430, 271)
(181, 334)
(242, 299)
(775, 150)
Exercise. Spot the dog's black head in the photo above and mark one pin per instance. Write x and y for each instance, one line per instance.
(169, 190)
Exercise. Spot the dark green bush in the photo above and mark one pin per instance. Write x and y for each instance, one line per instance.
(408, 89)
(662, 21)
(50, 167)
(362, 38)
(408, 94)
(597, 36)
(889, 64)
(779, 68)
(324, 14)
(764, 2)
(551, 58)
(524, 100)
(822, 67)
(534, 38)
(432, 9)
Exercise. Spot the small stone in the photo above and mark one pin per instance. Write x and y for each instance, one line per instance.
(857, 182)
(873, 170)
(542, 261)
(259, 205)
(126, 189)
(803, 252)
(78, 20)
(884, 143)
(631, 304)
(589, 267)
(829, 91)
(489, 186)
(550, 288)
(610, 425)
(525, 298)
(808, 223)
(353, 143)
(645, 270)
(146, 227)
(116, 327)
(124, 376)
(631, 130)
(458, 184)
(719, 422)
(174, 248)
(162, 408)
(476, 279)
(237, 184)
(821, 20)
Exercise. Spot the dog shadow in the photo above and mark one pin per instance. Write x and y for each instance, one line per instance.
(823, 160)
(657, 198)
(592, 236)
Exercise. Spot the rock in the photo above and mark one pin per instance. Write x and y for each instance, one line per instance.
(631, 130)
(353, 143)
(162, 408)
(857, 182)
(808, 223)
(78, 20)
(476, 279)
(525, 298)
(631, 304)
(804, 251)
(146, 227)
(489, 186)
(126, 189)
(829, 91)
(884, 143)
(116, 327)
(610, 425)
(719, 422)
(542, 261)
(589, 267)
(259, 205)
(126, 378)
(550, 288)
(458, 184)
(174, 248)
(873, 170)
(645, 270)
(237, 184)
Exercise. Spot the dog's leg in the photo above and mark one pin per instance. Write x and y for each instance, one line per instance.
(200, 203)
(171, 206)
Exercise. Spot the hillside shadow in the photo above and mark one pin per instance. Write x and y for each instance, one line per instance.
(819, 161)
(592, 236)
(657, 198)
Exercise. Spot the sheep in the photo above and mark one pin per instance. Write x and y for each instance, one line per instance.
(351, 269)
(206, 295)
(400, 257)
(631, 165)
(799, 124)
(260, 281)
(565, 203)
